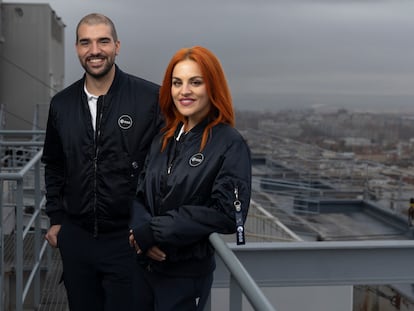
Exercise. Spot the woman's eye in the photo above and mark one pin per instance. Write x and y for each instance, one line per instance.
(196, 82)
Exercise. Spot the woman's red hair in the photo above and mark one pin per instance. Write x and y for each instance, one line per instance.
(221, 110)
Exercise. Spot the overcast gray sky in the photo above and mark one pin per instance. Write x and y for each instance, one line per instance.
(338, 53)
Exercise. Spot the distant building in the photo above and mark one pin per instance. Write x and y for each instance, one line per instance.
(356, 141)
(282, 128)
(31, 63)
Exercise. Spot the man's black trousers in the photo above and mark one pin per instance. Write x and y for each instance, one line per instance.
(97, 271)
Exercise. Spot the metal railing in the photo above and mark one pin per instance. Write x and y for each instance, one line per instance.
(240, 280)
(278, 265)
(20, 172)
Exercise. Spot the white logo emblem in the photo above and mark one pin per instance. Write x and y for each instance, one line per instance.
(196, 159)
(125, 122)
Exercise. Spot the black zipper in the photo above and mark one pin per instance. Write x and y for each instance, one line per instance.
(99, 108)
(173, 155)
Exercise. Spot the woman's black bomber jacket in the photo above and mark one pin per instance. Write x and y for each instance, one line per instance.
(184, 195)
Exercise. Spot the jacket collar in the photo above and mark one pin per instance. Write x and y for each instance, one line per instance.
(116, 82)
(114, 86)
(198, 129)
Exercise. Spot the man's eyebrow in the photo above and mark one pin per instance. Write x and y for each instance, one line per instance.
(99, 39)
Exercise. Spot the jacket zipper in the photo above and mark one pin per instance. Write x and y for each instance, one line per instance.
(178, 141)
(173, 156)
(97, 136)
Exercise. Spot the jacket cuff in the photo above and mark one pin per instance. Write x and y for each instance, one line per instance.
(56, 218)
(144, 237)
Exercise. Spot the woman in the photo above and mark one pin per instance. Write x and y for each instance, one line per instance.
(197, 181)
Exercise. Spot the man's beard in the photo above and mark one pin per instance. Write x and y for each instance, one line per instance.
(102, 73)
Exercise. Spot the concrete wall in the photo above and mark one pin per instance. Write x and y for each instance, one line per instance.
(32, 63)
(313, 298)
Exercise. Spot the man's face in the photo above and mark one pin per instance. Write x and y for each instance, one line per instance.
(96, 49)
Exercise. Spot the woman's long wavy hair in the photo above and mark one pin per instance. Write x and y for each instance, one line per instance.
(221, 110)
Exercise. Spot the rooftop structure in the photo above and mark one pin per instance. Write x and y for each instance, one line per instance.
(31, 63)
(318, 195)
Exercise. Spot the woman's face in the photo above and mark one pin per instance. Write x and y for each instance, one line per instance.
(189, 93)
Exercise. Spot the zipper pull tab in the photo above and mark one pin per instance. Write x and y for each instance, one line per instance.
(169, 169)
(236, 192)
(237, 203)
(240, 238)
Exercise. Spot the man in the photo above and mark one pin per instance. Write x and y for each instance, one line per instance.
(98, 132)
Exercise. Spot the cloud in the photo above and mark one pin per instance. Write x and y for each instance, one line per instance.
(268, 48)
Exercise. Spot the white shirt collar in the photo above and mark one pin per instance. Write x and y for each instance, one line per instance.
(89, 95)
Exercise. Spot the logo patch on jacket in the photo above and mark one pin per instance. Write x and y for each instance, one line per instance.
(125, 122)
(196, 159)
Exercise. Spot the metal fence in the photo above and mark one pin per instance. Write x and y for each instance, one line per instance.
(22, 247)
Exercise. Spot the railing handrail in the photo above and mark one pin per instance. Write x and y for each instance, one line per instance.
(20, 174)
(249, 287)
(22, 132)
(22, 286)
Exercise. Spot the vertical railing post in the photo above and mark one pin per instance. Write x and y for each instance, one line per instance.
(37, 233)
(19, 246)
(240, 276)
(2, 300)
(235, 295)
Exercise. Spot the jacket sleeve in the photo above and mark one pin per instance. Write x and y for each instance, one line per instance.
(53, 158)
(140, 225)
(140, 216)
(188, 224)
